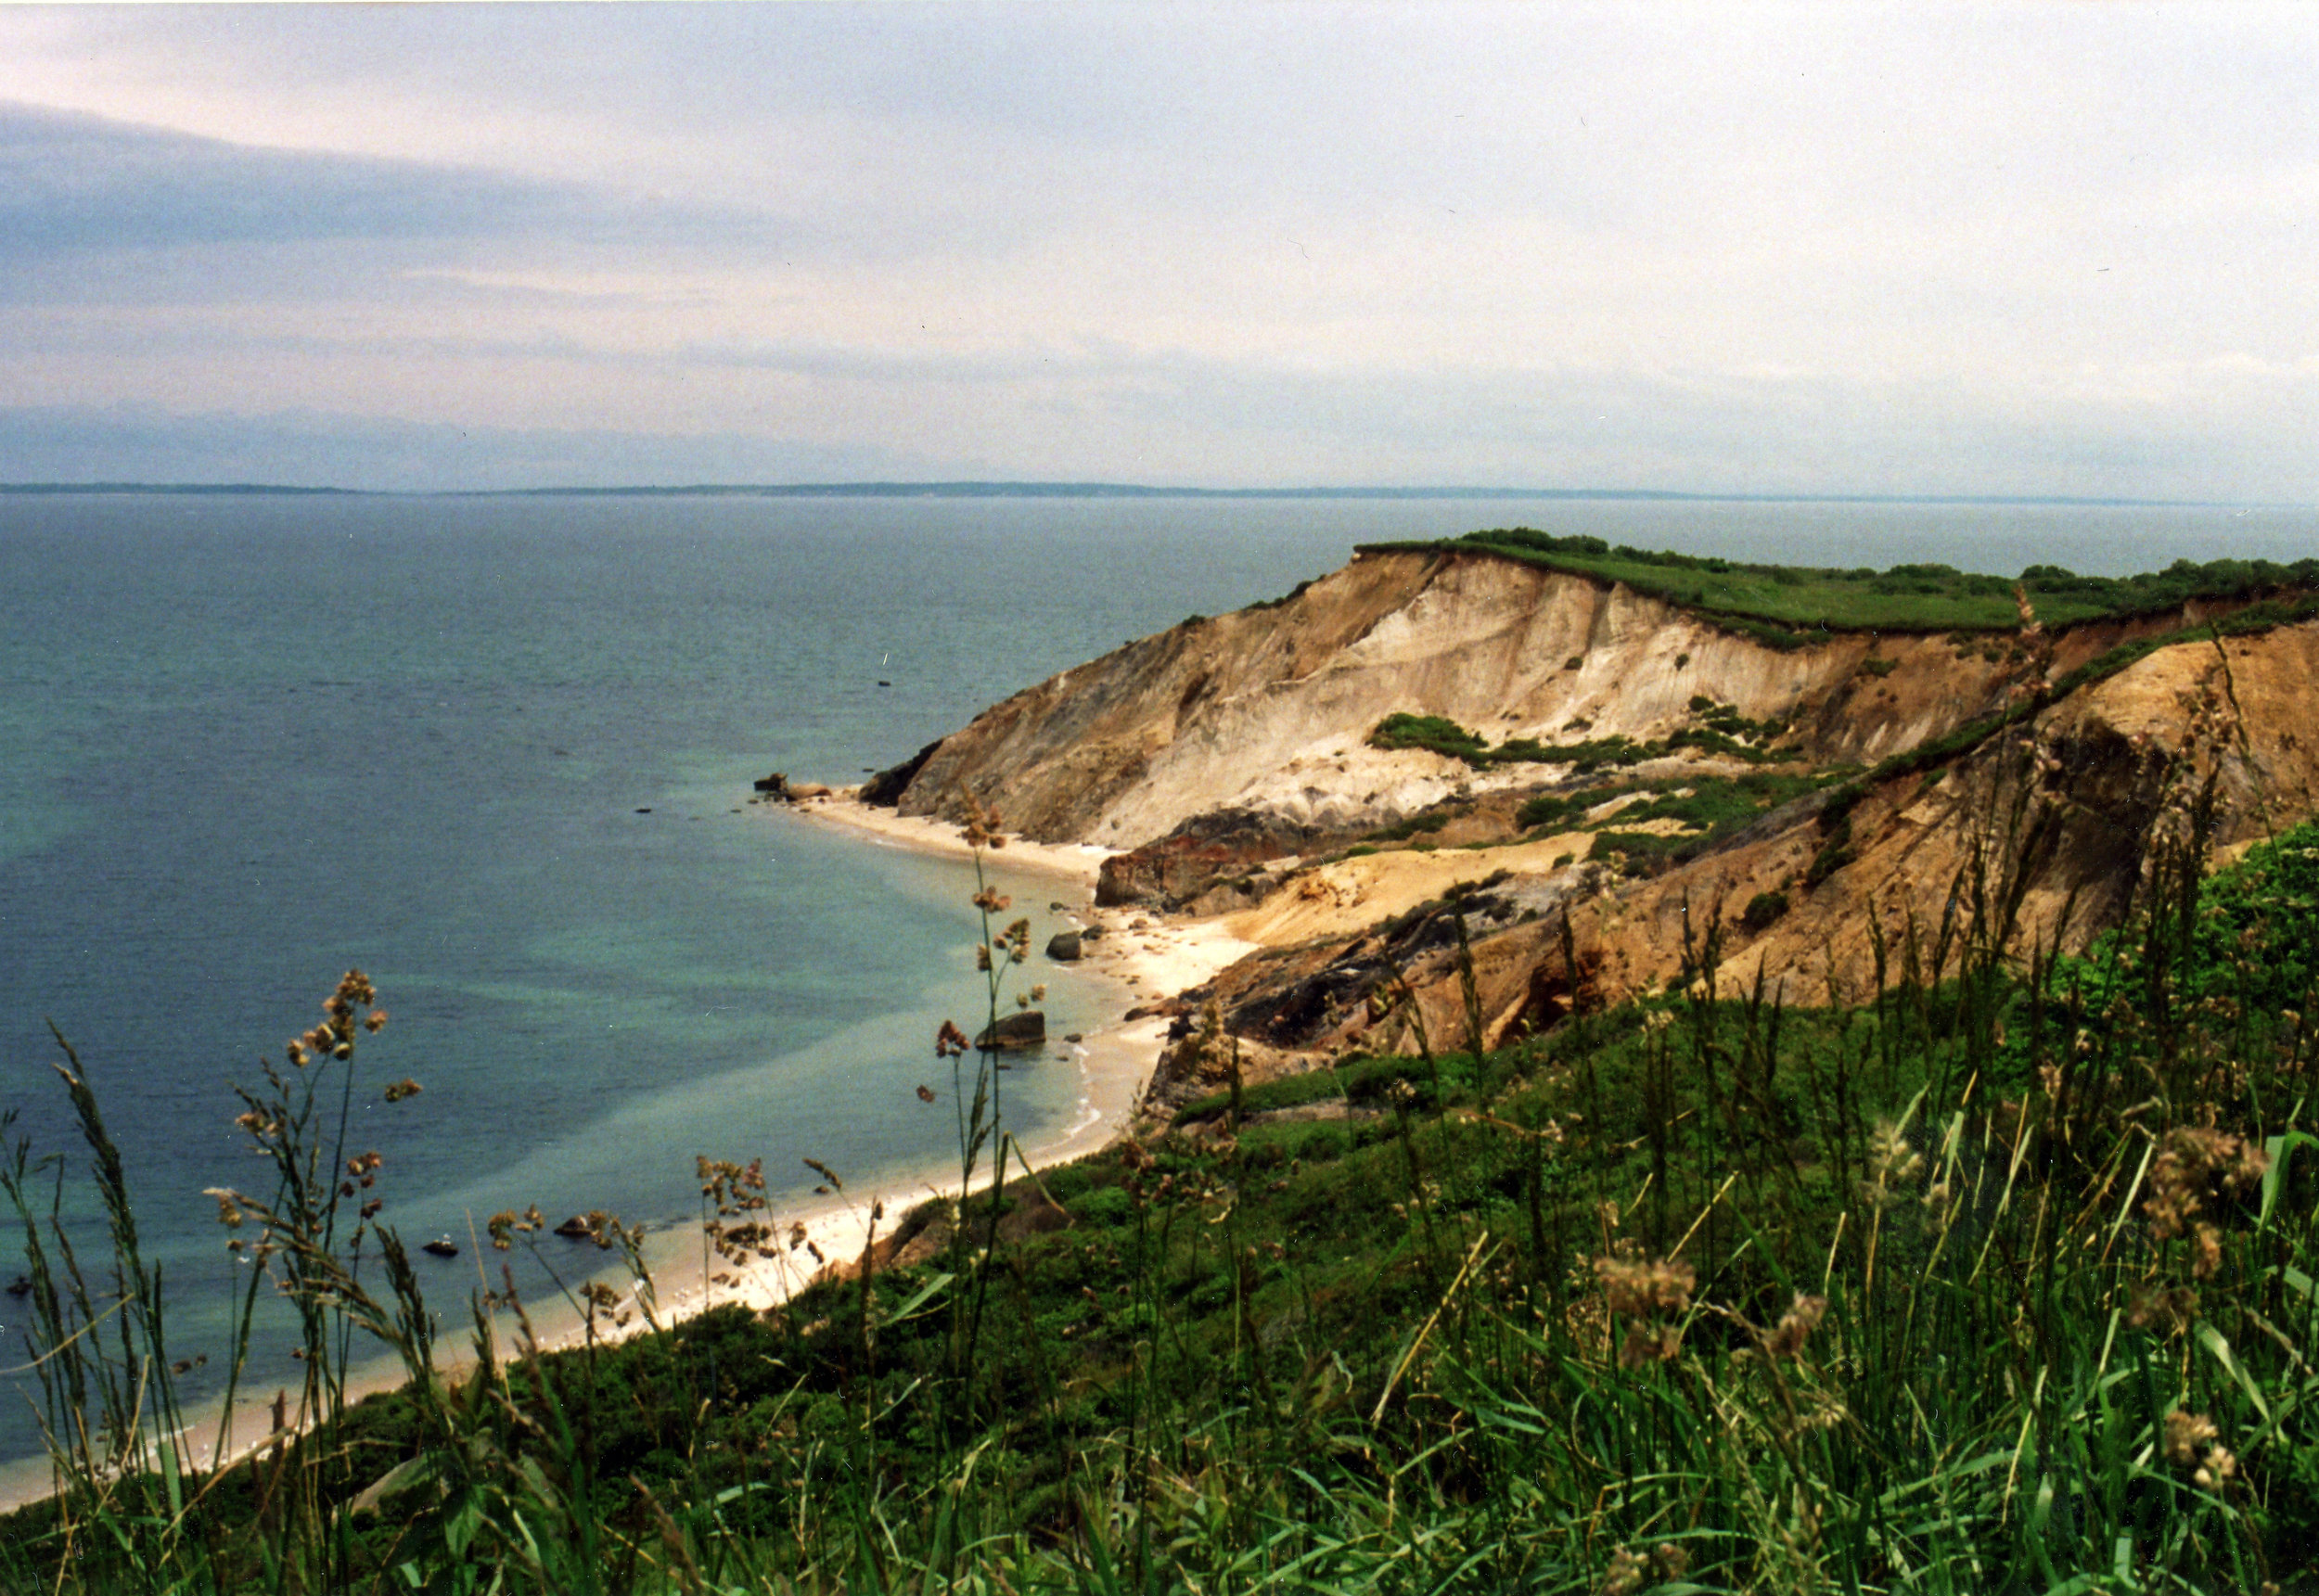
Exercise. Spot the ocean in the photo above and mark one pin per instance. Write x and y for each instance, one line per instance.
(496, 752)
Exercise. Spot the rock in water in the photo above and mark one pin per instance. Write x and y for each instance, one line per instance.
(1063, 947)
(1014, 1033)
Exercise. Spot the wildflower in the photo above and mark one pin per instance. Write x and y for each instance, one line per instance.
(2168, 1309)
(982, 829)
(1649, 1344)
(2206, 1251)
(375, 1021)
(2219, 1468)
(949, 1041)
(1788, 1336)
(992, 902)
(296, 1054)
(1674, 1561)
(2185, 1432)
(229, 1207)
(1891, 1162)
(2192, 1163)
(926, 1094)
(1633, 1287)
(401, 1089)
(1625, 1575)
(1891, 1155)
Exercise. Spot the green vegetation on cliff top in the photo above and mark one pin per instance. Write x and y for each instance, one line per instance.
(1782, 605)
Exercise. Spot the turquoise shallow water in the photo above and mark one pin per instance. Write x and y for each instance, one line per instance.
(246, 742)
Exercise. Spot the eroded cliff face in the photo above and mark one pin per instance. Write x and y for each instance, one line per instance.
(1267, 710)
(1222, 750)
(2037, 838)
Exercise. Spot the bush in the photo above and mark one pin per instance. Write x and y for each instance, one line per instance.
(1103, 1205)
(1762, 910)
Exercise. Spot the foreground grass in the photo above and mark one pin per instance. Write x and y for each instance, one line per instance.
(2000, 1278)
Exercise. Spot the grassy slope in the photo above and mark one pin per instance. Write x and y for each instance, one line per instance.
(1430, 1342)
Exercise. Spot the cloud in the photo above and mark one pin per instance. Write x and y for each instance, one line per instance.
(82, 183)
(1906, 247)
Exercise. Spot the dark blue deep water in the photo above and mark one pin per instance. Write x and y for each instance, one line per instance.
(246, 742)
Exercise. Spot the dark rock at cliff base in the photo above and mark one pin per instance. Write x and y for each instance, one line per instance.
(885, 788)
(1063, 947)
(1013, 1032)
(777, 786)
(574, 1229)
(1198, 857)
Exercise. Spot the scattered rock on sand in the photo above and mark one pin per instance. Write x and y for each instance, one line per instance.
(1063, 947)
(1013, 1032)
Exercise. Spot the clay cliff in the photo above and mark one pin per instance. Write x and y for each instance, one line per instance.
(1801, 804)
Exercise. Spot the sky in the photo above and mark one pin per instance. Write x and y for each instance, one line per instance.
(2004, 249)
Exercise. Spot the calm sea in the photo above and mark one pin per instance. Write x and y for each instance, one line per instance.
(496, 753)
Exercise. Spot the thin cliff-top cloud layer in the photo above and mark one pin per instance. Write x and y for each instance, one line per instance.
(2001, 249)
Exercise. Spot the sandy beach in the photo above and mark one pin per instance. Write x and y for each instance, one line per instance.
(1140, 956)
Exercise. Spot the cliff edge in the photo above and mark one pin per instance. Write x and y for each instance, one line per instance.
(1576, 782)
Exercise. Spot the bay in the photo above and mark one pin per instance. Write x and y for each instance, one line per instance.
(496, 752)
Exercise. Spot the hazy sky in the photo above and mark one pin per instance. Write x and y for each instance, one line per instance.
(2004, 249)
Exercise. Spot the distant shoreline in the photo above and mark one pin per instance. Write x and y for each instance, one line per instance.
(1002, 490)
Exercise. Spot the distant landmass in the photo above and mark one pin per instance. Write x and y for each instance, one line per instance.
(1087, 491)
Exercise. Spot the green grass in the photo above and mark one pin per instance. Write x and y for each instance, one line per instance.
(1784, 606)
(1959, 1289)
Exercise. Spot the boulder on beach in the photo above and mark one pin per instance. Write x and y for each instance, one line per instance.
(777, 786)
(1013, 1032)
(1063, 947)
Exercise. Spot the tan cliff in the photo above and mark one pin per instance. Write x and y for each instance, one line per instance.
(1242, 739)
(2044, 833)
(1268, 709)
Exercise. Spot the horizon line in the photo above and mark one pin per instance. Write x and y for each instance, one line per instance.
(1003, 488)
